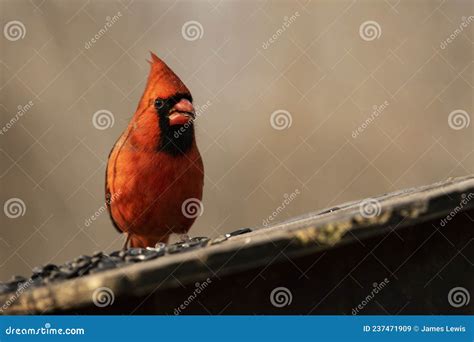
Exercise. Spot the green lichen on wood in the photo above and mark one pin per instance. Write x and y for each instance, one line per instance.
(327, 234)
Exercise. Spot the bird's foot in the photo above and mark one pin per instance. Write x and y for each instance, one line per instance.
(183, 237)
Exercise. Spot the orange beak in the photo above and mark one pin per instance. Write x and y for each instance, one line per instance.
(182, 113)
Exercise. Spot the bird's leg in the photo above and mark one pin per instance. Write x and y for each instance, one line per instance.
(125, 245)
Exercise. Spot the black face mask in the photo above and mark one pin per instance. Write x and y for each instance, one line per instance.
(174, 140)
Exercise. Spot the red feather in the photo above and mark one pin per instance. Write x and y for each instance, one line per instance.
(145, 186)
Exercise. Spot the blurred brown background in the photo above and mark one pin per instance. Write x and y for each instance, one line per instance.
(321, 65)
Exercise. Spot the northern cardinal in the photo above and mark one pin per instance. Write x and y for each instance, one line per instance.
(155, 165)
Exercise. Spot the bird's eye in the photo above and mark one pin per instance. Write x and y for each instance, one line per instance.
(159, 103)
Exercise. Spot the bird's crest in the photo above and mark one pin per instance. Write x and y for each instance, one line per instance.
(162, 82)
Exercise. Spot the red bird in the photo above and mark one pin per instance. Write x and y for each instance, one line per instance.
(155, 165)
